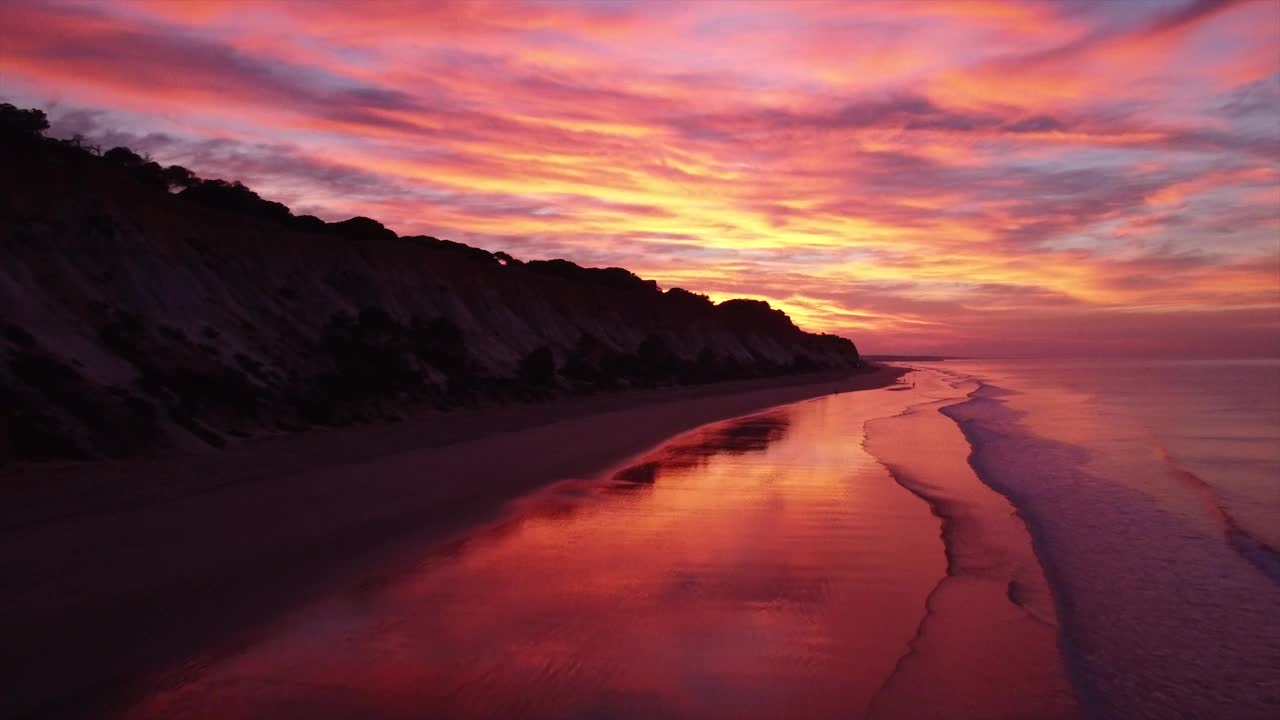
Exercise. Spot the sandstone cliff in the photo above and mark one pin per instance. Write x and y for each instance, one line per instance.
(142, 307)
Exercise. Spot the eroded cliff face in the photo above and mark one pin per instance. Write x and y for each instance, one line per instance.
(134, 317)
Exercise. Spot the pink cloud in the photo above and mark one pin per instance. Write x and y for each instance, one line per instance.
(924, 176)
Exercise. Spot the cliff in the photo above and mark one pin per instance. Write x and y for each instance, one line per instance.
(142, 307)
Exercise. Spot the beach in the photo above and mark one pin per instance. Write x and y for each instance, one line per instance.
(116, 569)
(976, 539)
(802, 561)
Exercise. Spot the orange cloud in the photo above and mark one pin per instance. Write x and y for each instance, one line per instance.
(918, 175)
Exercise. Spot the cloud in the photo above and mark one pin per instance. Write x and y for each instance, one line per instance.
(916, 174)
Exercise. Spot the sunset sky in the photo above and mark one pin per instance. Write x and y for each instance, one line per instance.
(951, 176)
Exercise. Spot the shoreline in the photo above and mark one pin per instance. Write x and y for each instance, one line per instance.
(37, 490)
(1086, 695)
(993, 611)
(200, 549)
(716, 554)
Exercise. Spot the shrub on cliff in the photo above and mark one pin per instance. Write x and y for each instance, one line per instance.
(755, 316)
(309, 223)
(19, 123)
(147, 172)
(234, 197)
(123, 157)
(59, 414)
(360, 228)
(687, 302)
(440, 343)
(369, 354)
(374, 358)
(657, 361)
(582, 364)
(612, 277)
(708, 367)
(538, 367)
(177, 177)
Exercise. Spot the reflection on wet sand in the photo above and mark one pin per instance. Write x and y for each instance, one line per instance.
(738, 437)
(760, 568)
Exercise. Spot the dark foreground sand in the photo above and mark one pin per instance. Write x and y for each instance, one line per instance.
(111, 570)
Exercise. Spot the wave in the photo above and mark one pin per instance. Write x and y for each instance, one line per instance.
(984, 403)
(1157, 617)
(989, 563)
(1253, 549)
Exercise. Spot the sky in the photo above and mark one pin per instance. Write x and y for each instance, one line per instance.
(1082, 177)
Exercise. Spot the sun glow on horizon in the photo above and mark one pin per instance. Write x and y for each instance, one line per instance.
(944, 177)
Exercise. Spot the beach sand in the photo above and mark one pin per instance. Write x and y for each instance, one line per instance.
(831, 558)
(761, 567)
(115, 569)
(988, 643)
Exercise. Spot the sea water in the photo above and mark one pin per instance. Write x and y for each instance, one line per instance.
(1152, 491)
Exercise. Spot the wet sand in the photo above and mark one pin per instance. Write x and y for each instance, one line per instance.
(114, 570)
(833, 558)
(1164, 613)
(759, 568)
(987, 645)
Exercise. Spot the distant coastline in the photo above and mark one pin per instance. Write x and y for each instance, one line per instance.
(913, 358)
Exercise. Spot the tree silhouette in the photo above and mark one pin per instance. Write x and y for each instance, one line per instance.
(17, 122)
(538, 367)
(124, 157)
(179, 178)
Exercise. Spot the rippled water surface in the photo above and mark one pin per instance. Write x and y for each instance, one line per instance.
(1153, 491)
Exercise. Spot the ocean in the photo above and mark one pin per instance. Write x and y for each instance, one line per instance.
(1152, 491)
(1013, 539)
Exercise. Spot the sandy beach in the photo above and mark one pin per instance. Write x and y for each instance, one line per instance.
(188, 554)
(804, 560)
(731, 552)
(987, 646)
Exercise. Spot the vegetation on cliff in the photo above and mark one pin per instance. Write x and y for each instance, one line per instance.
(142, 306)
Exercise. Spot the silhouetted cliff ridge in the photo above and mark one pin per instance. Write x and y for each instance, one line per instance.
(143, 307)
